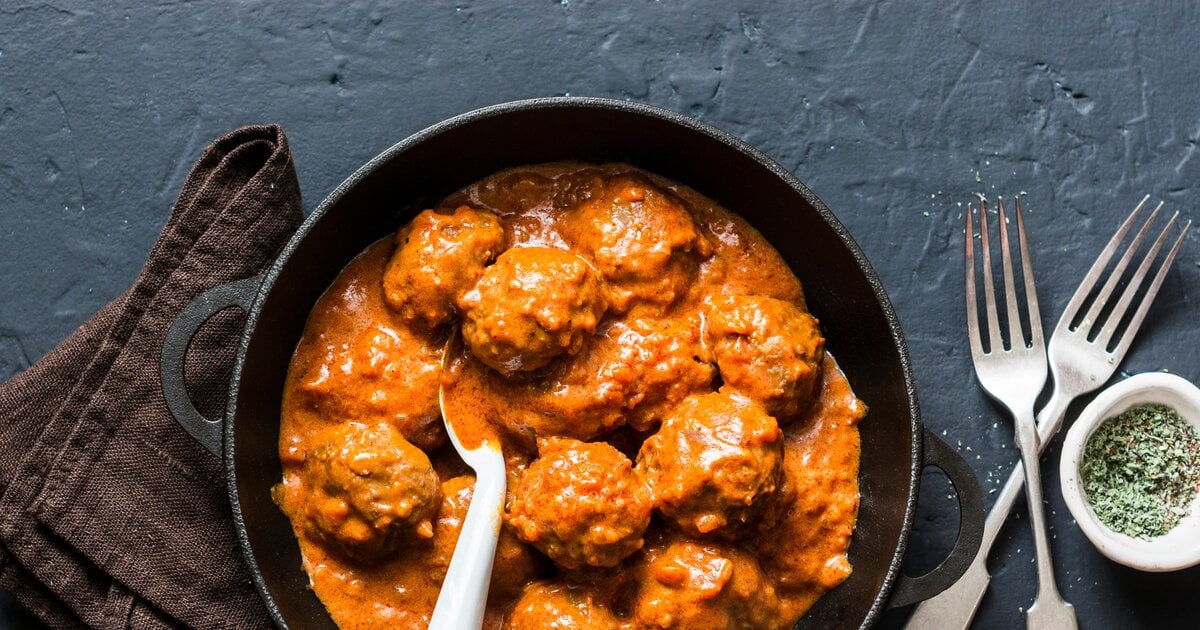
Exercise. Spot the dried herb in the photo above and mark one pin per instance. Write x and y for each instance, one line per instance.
(1141, 470)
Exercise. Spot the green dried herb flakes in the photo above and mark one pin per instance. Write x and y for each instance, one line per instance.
(1141, 470)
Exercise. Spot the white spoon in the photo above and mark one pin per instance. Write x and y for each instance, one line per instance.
(463, 598)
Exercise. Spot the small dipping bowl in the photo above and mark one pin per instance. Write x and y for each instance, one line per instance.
(1178, 548)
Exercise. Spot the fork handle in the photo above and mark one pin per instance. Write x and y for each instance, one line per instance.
(955, 607)
(1029, 443)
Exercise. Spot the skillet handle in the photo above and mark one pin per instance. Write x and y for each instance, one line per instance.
(910, 590)
(171, 363)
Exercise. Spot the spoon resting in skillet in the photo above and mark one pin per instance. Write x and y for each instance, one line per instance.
(463, 598)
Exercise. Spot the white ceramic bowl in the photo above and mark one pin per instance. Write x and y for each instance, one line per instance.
(1179, 548)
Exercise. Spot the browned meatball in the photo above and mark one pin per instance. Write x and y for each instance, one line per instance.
(705, 585)
(560, 606)
(768, 349)
(516, 563)
(438, 257)
(645, 243)
(630, 371)
(369, 490)
(714, 463)
(582, 504)
(381, 373)
(532, 305)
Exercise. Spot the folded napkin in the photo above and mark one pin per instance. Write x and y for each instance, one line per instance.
(111, 515)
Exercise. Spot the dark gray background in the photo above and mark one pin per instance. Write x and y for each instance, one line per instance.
(894, 113)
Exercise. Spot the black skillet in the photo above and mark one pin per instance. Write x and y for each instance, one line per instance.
(841, 288)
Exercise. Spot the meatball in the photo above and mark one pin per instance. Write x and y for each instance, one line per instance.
(630, 371)
(714, 464)
(516, 564)
(705, 585)
(560, 606)
(438, 257)
(370, 489)
(381, 373)
(643, 240)
(532, 305)
(767, 349)
(582, 504)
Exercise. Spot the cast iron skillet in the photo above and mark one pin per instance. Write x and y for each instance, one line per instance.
(841, 288)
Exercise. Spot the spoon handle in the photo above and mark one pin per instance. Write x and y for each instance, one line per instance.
(463, 598)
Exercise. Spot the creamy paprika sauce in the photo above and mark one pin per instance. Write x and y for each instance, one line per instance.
(681, 450)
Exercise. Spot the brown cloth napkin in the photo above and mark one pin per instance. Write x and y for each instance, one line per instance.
(111, 515)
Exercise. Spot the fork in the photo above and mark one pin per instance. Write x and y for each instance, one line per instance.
(1084, 353)
(1014, 376)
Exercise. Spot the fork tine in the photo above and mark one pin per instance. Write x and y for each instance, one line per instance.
(1093, 274)
(972, 305)
(1110, 326)
(1015, 335)
(1035, 316)
(1118, 311)
(1093, 315)
(996, 344)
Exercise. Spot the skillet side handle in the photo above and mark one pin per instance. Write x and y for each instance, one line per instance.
(910, 590)
(179, 336)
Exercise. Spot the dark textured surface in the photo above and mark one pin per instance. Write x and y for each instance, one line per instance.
(893, 113)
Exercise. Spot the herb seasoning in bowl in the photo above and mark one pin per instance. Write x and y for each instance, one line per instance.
(1141, 470)
(1131, 472)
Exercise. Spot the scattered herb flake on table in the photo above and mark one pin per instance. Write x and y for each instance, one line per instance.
(1141, 470)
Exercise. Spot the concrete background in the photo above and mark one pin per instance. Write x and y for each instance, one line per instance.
(894, 113)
